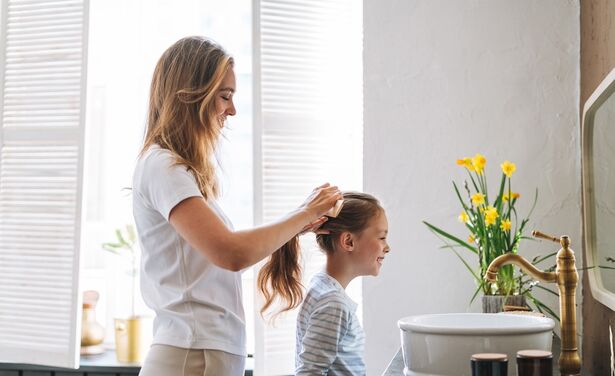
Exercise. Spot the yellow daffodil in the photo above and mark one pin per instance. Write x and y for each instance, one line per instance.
(491, 215)
(478, 162)
(505, 225)
(463, 217)
(489, 220)
(471, 239)
(478, 199)
(508, 168)
(466, 162)
(514, 195)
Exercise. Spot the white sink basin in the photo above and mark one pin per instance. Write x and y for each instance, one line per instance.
(442, 344)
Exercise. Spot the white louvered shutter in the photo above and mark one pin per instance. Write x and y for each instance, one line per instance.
(42, 98)
(308, 128)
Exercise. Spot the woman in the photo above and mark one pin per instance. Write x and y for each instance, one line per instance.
(192, 258)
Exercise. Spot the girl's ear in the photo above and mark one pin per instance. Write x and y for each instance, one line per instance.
(346, 241)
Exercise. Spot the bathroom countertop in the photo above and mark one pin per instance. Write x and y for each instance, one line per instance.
(396, 366)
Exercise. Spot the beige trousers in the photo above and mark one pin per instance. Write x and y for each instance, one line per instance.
(164, 360)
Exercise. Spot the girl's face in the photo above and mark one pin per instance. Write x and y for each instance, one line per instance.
(370, 246)
(224, 98)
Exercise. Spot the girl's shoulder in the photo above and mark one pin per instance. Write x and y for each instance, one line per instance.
(324, 282)
(324, 292)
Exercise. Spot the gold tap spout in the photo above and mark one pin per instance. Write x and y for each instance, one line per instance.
(528, 268)
(566, 277)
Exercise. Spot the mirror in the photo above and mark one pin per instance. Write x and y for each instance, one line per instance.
(598, 176)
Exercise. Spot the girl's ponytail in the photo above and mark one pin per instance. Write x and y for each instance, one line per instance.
(281, 277)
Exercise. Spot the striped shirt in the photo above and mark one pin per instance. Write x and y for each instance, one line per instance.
(330, 340)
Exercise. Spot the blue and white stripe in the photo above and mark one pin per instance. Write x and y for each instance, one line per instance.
(330, 340)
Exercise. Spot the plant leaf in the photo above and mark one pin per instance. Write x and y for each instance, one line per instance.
(113, 248)
(478, 279)
(478, 289)
(118, 233)
(542, 307)
(498, 201)
(112, 245)
(450, 237)
(473, 181)
(132, 235)
(544, 258)
(547, 289)
(465, 207)
(534, 204)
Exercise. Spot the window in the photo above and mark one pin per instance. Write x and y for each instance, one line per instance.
(42, 81)
(300, 125)
(308, 128)
(126, 40)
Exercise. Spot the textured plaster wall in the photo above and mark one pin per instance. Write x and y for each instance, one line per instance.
(447, 79)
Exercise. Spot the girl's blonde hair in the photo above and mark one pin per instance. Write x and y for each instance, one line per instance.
(182, 116)
(280, 277)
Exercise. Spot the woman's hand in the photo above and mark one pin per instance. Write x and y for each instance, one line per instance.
(318, 204)
(315, 227)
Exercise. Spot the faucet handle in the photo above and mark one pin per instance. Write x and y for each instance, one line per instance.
(539, 234)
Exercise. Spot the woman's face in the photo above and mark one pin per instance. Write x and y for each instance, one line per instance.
(224, 98)
(370, 246)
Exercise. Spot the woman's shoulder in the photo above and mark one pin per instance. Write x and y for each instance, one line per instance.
(156, 160)
(156, 155)
(157, 164)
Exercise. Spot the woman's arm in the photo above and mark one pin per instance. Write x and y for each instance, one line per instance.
(198, 224)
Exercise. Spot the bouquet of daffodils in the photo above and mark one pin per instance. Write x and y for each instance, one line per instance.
(494, 229)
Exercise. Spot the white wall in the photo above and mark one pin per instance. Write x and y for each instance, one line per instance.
(444, 80)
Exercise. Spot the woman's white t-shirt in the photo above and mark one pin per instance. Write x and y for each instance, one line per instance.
(198, 305)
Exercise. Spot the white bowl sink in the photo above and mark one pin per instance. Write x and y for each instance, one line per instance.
(442, 344)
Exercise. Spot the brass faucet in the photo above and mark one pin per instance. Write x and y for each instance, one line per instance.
(566, 277)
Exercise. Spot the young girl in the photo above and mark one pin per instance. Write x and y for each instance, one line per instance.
(192, 257)
(330, 340)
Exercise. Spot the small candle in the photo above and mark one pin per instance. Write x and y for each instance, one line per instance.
(489, 364)
(534, 363)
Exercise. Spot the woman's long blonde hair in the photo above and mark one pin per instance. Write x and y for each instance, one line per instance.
(280, 277)
(182, 115)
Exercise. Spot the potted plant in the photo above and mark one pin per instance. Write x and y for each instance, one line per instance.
(130, 342)
(125, 245)
(494, 229)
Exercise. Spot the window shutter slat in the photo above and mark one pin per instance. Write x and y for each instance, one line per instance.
(42, 94)
(308, 115)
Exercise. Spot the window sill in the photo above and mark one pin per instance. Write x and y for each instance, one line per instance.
(104, 364)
